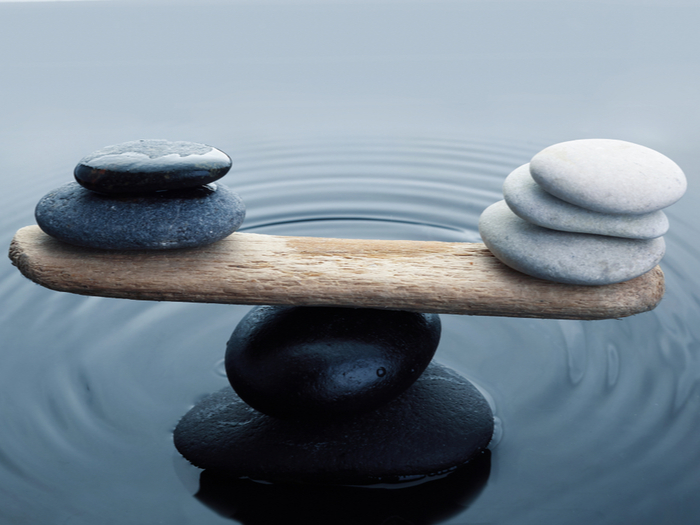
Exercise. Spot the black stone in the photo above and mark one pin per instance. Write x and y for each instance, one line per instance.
(144, 166)
(440, 423)
(309, 362)
(155, 221)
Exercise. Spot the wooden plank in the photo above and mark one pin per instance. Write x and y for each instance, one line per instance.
(248, 268)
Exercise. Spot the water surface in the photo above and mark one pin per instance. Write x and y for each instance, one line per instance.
(369, 120)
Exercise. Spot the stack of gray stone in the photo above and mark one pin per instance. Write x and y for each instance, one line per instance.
(585, 212)
(144, 195)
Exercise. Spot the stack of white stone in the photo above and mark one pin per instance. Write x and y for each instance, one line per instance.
(585, 212)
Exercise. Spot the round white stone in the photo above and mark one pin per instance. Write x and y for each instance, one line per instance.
(609, 176)
(564, 257)
(530, 202)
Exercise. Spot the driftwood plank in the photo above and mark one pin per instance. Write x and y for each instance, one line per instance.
(247, 268)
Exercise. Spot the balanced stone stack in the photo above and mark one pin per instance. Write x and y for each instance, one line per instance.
(585, 212)
(144, 195)
(336, 396)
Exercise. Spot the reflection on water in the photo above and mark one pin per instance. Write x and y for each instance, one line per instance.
(252, 503)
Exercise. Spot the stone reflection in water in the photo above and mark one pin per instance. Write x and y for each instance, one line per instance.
(252, 503)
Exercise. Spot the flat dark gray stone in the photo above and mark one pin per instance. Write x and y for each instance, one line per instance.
(155, 221)
(440, 423)
(142, 166)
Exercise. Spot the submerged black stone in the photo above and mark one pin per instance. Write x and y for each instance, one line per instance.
(143, 166)
(440, 423)
(154, 221)
(310, 362)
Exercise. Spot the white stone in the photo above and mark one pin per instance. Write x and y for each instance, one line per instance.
(530, 202)
(572, 258)
(609, 176)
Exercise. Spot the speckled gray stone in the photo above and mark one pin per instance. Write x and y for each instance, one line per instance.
(572, 258)
(155, 221)
(609, 176)
(530, 202)
(143, 166)
(440, 423)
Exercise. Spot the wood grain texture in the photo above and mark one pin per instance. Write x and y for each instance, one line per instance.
(247, 268)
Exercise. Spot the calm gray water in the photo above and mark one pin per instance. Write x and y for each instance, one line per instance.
(348, 119)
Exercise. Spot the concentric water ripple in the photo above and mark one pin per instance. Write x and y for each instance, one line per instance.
(424, 189)
(600, 411)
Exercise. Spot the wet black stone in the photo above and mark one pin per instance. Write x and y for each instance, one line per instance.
(440, 423)
(156, 221)
(143, 166)
(307, 362)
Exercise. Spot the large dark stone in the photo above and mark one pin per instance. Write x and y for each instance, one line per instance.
(155, 221)
(307, 362)
(438, 424)
(143, 166)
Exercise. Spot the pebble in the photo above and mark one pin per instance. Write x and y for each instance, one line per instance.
(573, 258)
(150, 165)
(440, 423)
(320, 362)
(609, 176)
(531, 203)
(154, 221)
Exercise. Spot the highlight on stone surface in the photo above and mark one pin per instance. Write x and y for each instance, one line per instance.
(144, 166)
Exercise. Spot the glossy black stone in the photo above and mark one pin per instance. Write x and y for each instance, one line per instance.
(440, 423)
(155, 221)
(144, 166)
(308, 362)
